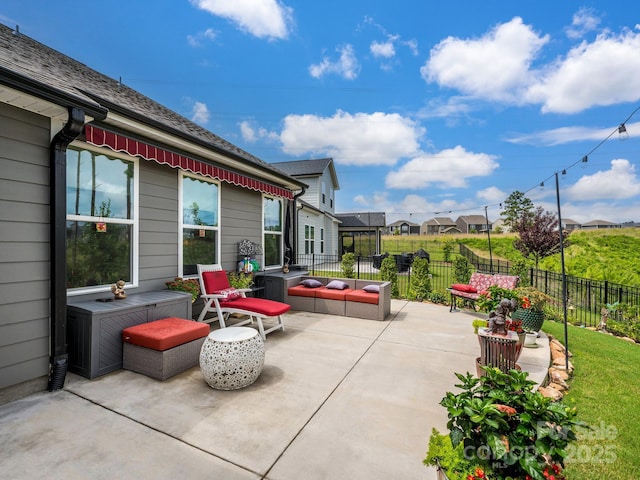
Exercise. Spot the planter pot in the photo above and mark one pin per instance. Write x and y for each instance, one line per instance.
(531, 320)
(530, 340)
(520, 344)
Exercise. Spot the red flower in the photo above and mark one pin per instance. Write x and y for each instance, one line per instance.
(506, 409)
(526, 303)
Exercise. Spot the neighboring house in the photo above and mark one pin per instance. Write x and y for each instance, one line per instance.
(473, 224)
(361, 233)
(597, 224)
(402, 227)
(438, 226)
(316, 226)
(570, 225)
(100, 183)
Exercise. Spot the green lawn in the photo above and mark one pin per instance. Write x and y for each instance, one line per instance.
(605, 389)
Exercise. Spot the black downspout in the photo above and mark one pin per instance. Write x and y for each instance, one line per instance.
(59, 359)
(294, 253)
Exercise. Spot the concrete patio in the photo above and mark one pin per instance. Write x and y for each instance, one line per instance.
(338, 398)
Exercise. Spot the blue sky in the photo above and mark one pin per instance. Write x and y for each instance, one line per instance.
(427, 108)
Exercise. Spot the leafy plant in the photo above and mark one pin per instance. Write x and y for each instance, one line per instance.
(507, 428)
(461, 269)
(479, 323)
(420, 283)
(538, 235)
(447, 249)
(489, 300)
(240, 280)
(437, 297)
(389, 273)
(516, 206)
(189, 285)
(347, 265)
(442, 454)
(532, 298)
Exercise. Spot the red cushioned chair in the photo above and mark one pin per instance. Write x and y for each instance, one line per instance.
(220, 298)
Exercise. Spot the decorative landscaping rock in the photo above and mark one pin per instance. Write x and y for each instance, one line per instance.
(552, 393)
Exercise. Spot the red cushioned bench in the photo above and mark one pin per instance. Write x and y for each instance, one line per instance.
(478, 284)
(163, 348)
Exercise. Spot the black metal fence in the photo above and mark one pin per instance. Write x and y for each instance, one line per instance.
(585, 297)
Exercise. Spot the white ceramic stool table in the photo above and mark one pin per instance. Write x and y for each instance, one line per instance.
(232, 357)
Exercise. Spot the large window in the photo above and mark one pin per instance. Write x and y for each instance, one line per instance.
(200, 213)
(272, 231)
(322, 240)
(309, 239)
(101, 220)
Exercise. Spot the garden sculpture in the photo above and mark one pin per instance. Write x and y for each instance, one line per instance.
(498, 317)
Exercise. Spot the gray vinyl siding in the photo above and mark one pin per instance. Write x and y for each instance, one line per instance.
(24, 247)
(240, 218)
(158, 226)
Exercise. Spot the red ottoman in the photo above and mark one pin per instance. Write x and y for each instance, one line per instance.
(163, 348)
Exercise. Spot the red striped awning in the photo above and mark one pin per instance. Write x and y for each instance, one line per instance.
(120, 143)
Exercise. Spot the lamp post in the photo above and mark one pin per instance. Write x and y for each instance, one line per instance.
(564, 276)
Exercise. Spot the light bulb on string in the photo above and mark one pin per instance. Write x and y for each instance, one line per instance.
(622, 132)
(584, 161)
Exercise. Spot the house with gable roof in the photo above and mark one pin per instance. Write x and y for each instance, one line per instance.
(438, 226)
(101, 183)
(472, 224)
(315, 223)
(403, 227)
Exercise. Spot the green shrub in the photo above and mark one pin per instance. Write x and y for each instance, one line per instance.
(520, 268)
(389, 273)
(442, 454)
(447, 249)
(462, 269)
(420, 283)
(437, 297)
(347, 265)
(506, 427)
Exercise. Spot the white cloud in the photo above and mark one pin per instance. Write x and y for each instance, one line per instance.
(252, 134)
(495, 66)
(359, 139)
(347, 66)
(200, 113)
(617, 183)
(447, 168)
(492, 195)
(199, 38)
(584, 21)
(260, 18)
(382, 49)
(604, 72)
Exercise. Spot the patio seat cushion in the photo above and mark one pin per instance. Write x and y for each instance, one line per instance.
(164, 334)
(261, 306)
(302, 291)
(332, 294)
(361, 296)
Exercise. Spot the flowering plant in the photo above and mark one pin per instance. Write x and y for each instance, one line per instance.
(189, 285)
(514, 325)
(532, 298)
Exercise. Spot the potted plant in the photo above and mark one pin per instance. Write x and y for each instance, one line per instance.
(189, 285)
(507, 429)
(490, 299)
(240, 280)
(450, 462)
(479, 323)
(531, 309)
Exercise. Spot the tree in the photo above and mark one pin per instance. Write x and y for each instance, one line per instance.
(538, 235)
(516, 206)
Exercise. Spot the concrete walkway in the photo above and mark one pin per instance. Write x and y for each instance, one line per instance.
(338, 398)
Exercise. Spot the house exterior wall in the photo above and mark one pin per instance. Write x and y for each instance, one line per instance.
(24, 248)
(240, 218)
(328, 205)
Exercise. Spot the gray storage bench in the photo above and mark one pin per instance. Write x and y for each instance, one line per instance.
(94, 328)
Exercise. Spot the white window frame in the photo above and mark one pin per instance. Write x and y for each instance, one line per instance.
(182, 226)
(321, 240)
(309, 240)
(135, 221)
(272, 232)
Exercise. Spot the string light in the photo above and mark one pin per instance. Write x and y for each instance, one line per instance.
(622, 132)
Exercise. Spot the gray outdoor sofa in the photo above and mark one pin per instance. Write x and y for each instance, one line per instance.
(352, 301)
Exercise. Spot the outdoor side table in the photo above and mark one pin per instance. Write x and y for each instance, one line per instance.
(232, 357)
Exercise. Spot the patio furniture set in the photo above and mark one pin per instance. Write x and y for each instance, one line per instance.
(232, 357)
